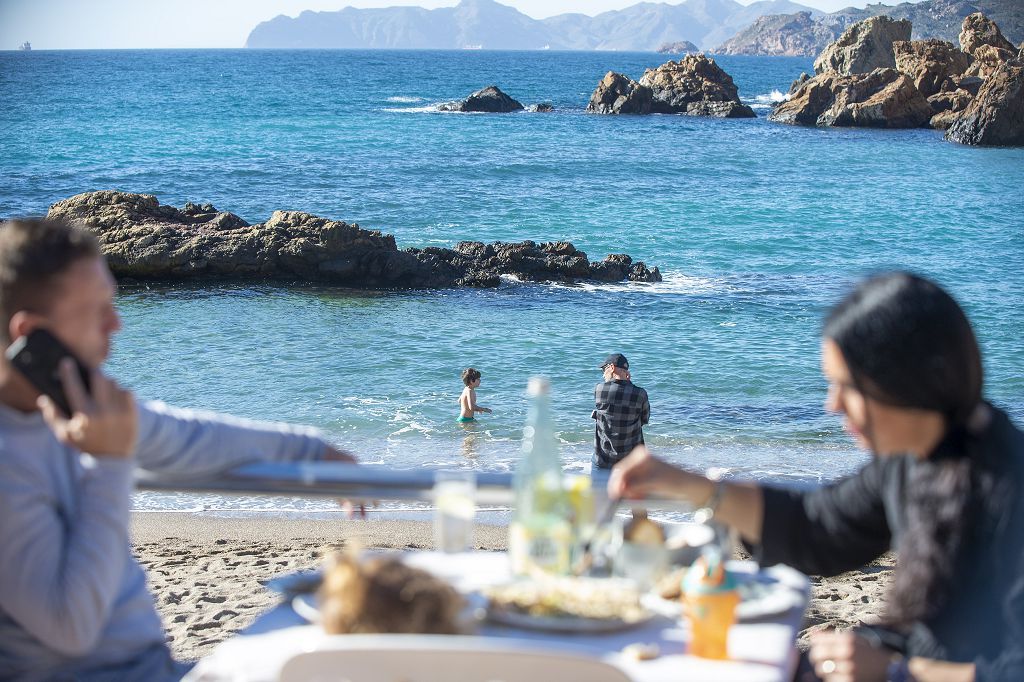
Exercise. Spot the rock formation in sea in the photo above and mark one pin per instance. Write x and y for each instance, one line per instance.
(996, 116)
(884, 98)
(782, 35)
(694, 85)
(931, 64)
(489, 100)
(678, 47)
(864, 47)
(620, 94)
(143, 239)
(933, 83)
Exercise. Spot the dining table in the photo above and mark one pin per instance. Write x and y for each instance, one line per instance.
(761, 645)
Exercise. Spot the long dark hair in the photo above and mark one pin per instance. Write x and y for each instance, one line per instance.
(908, 344)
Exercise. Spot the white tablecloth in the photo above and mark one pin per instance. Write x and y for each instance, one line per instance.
(760, 652)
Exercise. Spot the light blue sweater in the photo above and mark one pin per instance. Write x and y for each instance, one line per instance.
(73, 600)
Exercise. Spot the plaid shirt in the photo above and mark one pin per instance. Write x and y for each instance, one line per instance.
(621, 410)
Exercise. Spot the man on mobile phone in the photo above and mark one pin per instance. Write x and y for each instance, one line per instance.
(73, 600)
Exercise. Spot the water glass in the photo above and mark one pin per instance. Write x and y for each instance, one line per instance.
(455, 507)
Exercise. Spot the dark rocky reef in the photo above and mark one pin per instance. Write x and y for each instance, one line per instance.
(489, 100)
(143, 239)
(620, 94)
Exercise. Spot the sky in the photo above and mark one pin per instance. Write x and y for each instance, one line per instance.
(114, 24)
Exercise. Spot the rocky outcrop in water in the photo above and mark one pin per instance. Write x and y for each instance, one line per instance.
(884, 98)
(781, 35)
(678, 47)
(620, 94)
(996, 116)
(694, 85)
(490, 100)
(864, 47)
(143, 239)
(932, 64)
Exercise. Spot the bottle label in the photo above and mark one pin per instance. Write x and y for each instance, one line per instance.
(540, 544)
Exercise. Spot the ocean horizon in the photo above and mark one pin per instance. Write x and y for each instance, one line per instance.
(757, 227)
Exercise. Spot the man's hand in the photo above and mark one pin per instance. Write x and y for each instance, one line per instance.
(104, 424)
(845, 657)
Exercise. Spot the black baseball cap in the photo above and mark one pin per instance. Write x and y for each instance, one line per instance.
(617, 359)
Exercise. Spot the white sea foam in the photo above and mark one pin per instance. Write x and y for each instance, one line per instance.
(768, 100)
(672, 283)
(404, 100)
(430, 109)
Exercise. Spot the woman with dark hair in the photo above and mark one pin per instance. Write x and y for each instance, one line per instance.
(943, 489)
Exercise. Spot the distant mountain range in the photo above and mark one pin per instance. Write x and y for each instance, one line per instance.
(804, 34)
(490, 25)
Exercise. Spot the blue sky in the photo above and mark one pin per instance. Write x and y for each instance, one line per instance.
(81, 24)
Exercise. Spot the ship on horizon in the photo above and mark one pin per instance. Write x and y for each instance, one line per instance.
(25, 46)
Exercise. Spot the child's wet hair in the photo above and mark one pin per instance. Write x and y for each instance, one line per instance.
(469, 375)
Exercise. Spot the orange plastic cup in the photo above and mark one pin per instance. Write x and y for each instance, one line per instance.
(710, 598)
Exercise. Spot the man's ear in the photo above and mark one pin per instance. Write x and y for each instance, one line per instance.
(22, 324)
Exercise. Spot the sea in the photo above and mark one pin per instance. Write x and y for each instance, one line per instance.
(757, 227)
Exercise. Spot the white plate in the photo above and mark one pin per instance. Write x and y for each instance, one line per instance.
(564, 623)
(307, 606)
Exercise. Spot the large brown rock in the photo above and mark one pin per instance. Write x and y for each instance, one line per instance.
(620, 94)
(978, 30)
(930, 64)
(884, 98)
(694, 85)
(864, 47)
(947, 106)
(996, 116)
(143, 239)
(988, 58)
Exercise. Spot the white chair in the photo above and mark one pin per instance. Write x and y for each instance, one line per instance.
(426, 658)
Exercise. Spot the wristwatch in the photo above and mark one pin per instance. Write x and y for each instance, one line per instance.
(707, 512)
(898, 670)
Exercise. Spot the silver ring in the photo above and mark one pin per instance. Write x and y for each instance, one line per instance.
(828, 666)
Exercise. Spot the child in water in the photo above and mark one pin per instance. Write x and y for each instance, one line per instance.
(467, 401)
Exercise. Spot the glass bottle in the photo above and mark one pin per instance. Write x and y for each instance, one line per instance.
(540, 534)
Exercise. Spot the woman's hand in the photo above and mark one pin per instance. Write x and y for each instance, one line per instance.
(103, 424)
(846, 657)
(641, 474)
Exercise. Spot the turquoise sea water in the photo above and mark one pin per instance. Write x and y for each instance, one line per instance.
(758, 228)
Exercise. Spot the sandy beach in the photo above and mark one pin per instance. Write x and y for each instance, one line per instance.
(207, 572)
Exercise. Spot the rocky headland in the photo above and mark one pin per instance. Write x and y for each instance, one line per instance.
(693, 86)
(782, 35)
(146, 240)
(806, 34)
(875, 76)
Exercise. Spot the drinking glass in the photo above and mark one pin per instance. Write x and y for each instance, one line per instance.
(455, 507)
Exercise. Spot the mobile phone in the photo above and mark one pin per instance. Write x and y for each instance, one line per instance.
(37, 356)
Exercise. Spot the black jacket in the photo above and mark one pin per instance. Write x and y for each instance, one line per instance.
(845, 525)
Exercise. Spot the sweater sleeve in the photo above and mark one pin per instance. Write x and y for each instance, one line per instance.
(56, 577)
(173, 440)
(1009, 665)
(829, 530)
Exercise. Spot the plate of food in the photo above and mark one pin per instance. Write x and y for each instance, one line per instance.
(567, 604)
